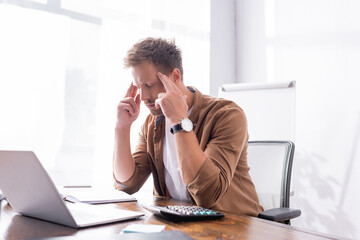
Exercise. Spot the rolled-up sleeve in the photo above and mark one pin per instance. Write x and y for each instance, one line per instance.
(228, 137)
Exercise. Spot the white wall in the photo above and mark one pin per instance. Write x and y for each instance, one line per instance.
(222, 42)
(316, 43)
(250, 41)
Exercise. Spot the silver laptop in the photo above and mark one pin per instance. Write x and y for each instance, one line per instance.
(31, 192)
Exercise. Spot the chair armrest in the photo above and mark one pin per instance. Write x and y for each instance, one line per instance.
(280, 214)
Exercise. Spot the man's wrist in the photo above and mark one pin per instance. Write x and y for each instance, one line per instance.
(177, 120)
(122, 128)
(185, 125)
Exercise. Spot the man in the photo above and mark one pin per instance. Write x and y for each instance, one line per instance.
(194, 145)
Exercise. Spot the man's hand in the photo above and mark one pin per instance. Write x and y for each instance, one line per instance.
(172, 102)
(128, 108)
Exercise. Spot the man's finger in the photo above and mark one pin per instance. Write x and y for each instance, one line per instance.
(138, 101)
(127, 108)
(157, 103)
(132, 90)
(166, 81)
(160, 95)
(171, 85)
(129, 102)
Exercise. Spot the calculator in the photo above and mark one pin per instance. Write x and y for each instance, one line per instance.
(186, 213)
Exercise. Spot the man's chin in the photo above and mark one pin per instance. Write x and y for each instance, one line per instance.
(156, 112)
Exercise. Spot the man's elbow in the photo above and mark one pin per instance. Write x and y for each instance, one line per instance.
(122, 187)
(207, 198)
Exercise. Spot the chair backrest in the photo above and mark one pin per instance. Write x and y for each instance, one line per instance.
(270, 165)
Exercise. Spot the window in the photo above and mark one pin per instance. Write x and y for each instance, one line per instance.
(62, 75)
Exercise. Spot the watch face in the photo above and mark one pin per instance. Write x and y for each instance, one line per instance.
(187, 125)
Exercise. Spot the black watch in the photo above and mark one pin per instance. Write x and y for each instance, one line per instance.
(185, 125)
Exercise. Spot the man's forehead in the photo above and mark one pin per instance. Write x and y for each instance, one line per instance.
(145, 79)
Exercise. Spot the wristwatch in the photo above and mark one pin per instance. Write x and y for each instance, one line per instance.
(185, 125)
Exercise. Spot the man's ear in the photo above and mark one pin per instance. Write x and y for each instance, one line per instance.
(176, 75)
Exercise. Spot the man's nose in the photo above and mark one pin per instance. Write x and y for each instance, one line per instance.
(144, 95)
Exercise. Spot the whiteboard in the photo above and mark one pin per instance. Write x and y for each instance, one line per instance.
(269, 107)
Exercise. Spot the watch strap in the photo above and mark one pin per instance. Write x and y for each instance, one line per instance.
(176, 128)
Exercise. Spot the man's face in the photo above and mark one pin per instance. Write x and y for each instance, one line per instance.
(149, 85)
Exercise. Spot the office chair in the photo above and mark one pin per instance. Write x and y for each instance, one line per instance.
(270, 165)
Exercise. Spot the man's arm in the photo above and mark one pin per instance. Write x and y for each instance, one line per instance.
(224, 149)
(189, 154)
(127, 112)
(207, 173)
(174, 106)
(123, 162)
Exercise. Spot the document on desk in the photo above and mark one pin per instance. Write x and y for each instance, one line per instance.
(143, 228)
(96, 196)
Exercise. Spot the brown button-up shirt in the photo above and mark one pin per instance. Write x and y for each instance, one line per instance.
(223, 182)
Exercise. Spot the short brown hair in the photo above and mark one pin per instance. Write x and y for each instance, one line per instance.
(164, 54)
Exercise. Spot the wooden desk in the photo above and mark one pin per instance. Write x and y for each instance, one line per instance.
(14, 226)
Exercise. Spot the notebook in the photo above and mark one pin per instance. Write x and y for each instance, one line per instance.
(96, 196)
(31, 192)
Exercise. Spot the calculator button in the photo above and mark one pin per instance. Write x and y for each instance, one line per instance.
(183, 213)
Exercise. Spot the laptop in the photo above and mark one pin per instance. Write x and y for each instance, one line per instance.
(31, 192)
